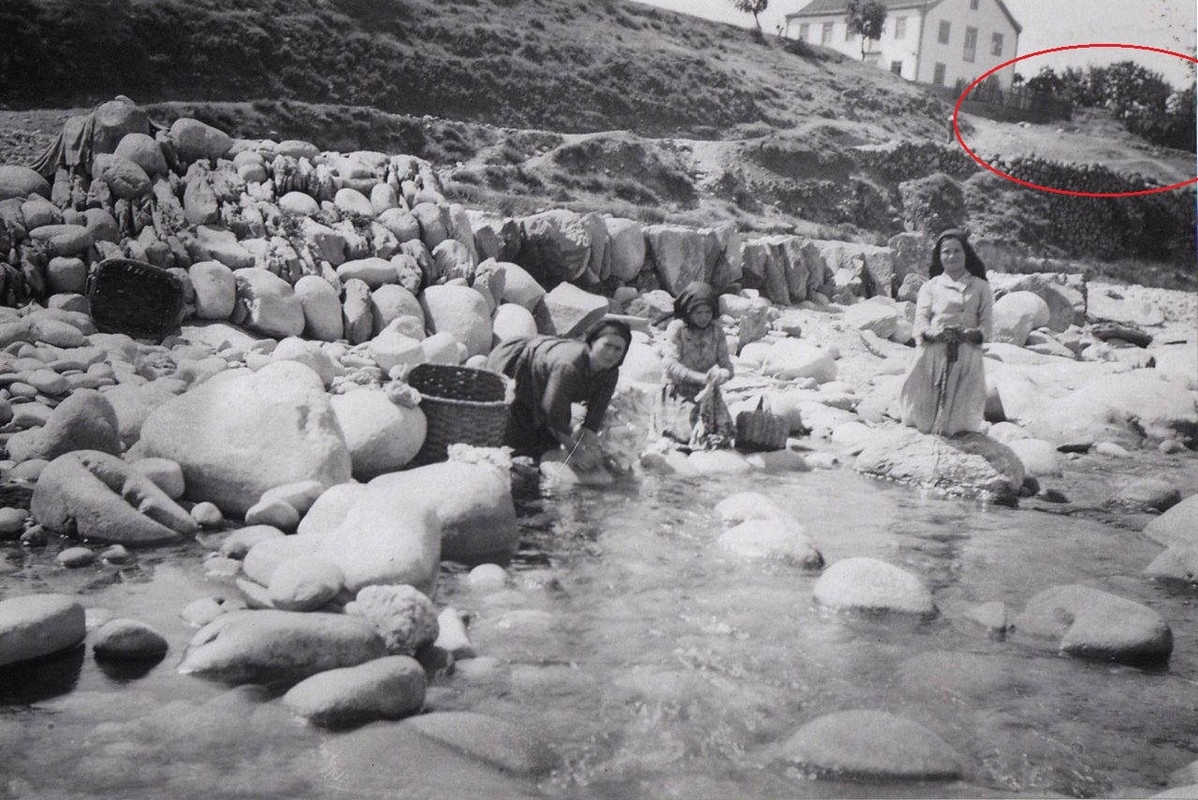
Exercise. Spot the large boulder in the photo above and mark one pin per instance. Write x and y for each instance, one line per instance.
(870, 585)
(144, 151)
(878, 315)
(133, 406)
(1094, 624)
(374, 534)
(239, 434)
(1123, 408)
(1017, 314)
(871, 746)
(556, 246)
(569, 311)
(126, 179)
(1064, 293)
(279, 646)
(271, 304)
(392, 302)
(520, 287)
(84, 421)
(20, 182)
(513, 322)
(111, 122)
(970, 464)
(625, 248)
(461, 311)
(374, 271)
(382, 436)
(37, 625)
(98, 497)
(195, 140)
(774, 539)
(217, 244)
(321, 305)
(473, 503)
(215, 289)
(678, 255)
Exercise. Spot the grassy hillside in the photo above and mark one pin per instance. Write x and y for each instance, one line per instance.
(563, 65)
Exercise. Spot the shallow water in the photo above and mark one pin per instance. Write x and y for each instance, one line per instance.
(658, 666)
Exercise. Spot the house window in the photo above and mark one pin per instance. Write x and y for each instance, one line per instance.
(973, 5)
(825, 37)
(945, 28)
(900, 28)
(971, 44)
(897, 68)
(804, 31)
(996, 44)
(938, 75)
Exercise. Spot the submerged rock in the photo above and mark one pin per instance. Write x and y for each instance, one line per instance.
(969, 463)
(1097, 625)
(495, 741)
(772, 539)
(1147, 493)
(128, 640)
(386, 688)
(870, 745)
(1177, 526)
(870, 585)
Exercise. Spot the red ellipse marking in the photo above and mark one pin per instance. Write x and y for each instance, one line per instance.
(1053, 189)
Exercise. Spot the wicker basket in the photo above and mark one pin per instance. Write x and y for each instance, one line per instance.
(134, 298)
(761, 431)
(461, 404)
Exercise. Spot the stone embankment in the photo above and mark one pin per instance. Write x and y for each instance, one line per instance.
(274, 423)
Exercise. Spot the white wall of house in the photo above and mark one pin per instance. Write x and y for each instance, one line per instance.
(963, 22)
(899, 48)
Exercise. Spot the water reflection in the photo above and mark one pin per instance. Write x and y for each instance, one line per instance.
(41, 679)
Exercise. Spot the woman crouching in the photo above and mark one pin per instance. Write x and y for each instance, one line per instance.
(551, 373)
(695, 357)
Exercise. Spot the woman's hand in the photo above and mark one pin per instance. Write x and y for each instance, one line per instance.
(718, 375)
(586, 453)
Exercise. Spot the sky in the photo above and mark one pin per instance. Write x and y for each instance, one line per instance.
(1165, 24)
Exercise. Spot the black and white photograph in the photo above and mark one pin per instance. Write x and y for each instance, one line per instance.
(598, 399)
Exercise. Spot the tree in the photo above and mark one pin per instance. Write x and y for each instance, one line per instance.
(866, 18)
(753, 7)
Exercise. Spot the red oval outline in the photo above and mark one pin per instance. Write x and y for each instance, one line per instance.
(1052, 189)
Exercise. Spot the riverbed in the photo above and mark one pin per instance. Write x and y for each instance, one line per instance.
(657, 665)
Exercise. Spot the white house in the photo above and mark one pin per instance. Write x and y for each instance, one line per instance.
(930, 41)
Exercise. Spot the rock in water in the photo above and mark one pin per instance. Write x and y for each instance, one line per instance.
(870, 745)
(1097, 625)
(386, 688)
(473, 503)
(128, 640)
(772, 539)
(495, 741)
(239, 434)
(971, 463)
(267, 646)
(870, 585)
(382, 436)
(36, 625)
(1177, 526)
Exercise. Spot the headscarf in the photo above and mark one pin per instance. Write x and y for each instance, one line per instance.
(694, 295)
(606, 326)
(973, 264)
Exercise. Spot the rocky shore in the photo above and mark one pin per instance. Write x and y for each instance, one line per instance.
(274, 425)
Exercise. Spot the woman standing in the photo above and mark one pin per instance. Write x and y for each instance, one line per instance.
(945, 390)
(551, 373)
(695, 356)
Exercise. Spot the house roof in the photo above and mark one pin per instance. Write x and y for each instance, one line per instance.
(824, 7)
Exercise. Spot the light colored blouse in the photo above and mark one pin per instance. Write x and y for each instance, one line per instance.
(943, 302)
(695, 349)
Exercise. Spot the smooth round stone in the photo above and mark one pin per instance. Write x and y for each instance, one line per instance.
(12, 522)
(34, 537)
(498, 742)
(167, 475)
(385, 688)
(239, 542)
(1111, 450)
(128, 639)
(37, 625)
(22, 389)
(275, 513)
(870, 745)
(117, 554)
(1178, 563)
(304, 584)
(748, 505)
(30, 415)
(74, 557)
(199, 613)
(1097, 625)
(870, 585)
(487, 578)
(772, 540)
(48, 382)
(207, 514)
(29, 471)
